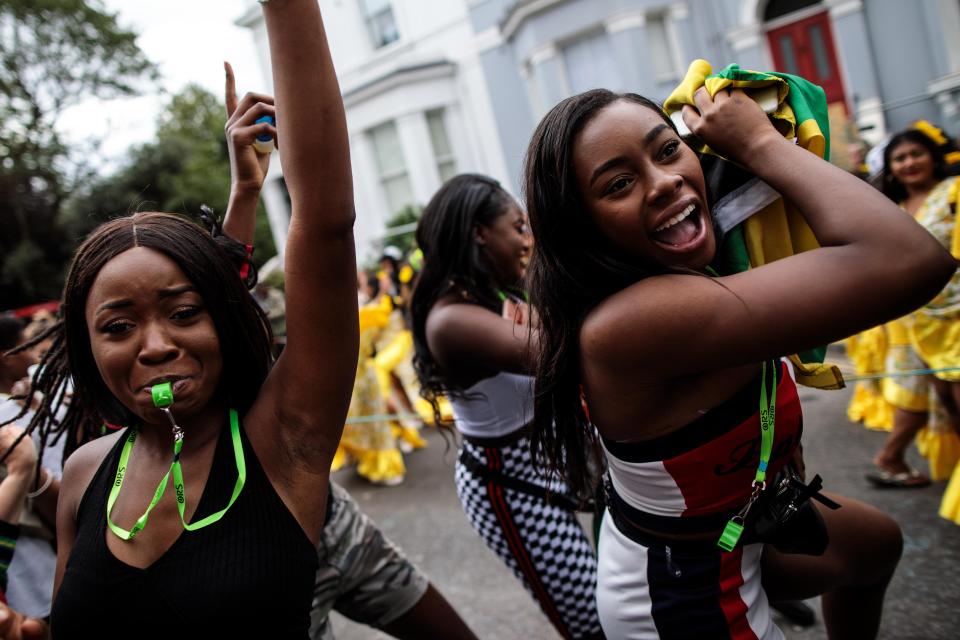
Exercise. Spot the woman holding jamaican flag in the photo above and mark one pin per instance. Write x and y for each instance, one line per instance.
(663, 357)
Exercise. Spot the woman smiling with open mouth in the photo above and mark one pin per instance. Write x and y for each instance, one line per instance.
(675, 377)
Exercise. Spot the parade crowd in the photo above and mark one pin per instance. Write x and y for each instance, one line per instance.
(626, 340)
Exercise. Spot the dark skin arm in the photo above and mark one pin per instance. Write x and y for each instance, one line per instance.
(21, 465)
(470, 343)
(296, 421)
(645, 344)
(45, 505)
(431, 617)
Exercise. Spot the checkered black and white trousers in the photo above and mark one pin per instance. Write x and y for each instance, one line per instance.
(542, 543)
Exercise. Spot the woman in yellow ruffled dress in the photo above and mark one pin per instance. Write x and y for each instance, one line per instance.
(914, 175)
(368, 439)
(393, 361)
(935, 330)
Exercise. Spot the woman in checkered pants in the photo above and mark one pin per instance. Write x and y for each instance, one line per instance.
(473, 334)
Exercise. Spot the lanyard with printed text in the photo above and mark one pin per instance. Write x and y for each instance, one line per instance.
(141, 522)
(734, 529)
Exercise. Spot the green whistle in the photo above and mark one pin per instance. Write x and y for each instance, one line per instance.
(731, 535)
(162, 395)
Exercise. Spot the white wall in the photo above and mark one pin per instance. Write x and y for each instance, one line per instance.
(379, 86)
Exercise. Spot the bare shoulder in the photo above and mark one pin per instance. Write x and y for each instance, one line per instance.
(639, 315)
(470, 341)
(670, 325)
(448, 319)
(82, 465)
(451, 326)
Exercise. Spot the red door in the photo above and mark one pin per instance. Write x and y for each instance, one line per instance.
(805, 48)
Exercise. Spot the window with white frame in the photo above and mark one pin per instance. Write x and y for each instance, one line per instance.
(391, 166)
(662, 47)
(590, 64)
(442, 153)
(381, 23)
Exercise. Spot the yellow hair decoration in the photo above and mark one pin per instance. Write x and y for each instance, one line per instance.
(929, 130)
(406, 274)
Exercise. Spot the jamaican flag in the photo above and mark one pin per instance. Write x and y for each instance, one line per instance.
(758, 225)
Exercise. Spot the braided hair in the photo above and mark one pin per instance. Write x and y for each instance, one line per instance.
(210, 260)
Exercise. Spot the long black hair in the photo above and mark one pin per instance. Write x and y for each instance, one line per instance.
(211, 265)
(573, 268)
(451, 264)
(893, 188)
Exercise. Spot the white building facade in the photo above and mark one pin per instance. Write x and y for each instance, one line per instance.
(438, 87)
(418, 110)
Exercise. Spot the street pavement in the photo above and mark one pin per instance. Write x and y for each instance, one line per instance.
(424, 517)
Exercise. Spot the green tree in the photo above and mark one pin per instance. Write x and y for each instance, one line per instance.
(405, 221)
(186, 166)
(54, 54)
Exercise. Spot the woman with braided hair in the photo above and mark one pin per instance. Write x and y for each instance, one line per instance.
(153, 302)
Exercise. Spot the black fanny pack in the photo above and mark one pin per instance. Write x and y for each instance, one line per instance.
(783, 516)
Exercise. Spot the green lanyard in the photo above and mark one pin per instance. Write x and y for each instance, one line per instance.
(141, 522)
(768, 408)
(503, 295)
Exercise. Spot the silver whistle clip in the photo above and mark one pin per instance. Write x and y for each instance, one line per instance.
(177, 431)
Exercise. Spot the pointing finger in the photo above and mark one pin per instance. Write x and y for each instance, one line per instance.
(230, 92)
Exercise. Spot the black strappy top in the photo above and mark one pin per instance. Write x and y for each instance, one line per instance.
(249, 575)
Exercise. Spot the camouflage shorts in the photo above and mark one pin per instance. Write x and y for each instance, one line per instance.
(362, 575)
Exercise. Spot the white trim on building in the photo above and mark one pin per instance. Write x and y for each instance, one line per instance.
(424, 77)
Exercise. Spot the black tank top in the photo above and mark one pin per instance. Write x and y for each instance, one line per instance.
(249, 575)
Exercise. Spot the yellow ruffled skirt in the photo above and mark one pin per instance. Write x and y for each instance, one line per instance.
(867, 351)
(950, 505)
(890, 348)
(372, 445)
(937, 342)
(910, 393)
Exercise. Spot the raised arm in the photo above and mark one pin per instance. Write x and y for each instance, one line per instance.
(308, 391)
(875, 264)
(248, 168)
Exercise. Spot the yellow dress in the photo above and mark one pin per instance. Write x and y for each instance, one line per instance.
(370, 443)
(394, 357)
(935, 332)
(867, 351)
(950, 505)
(927, 338)
(887, 347)
(911, 393)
